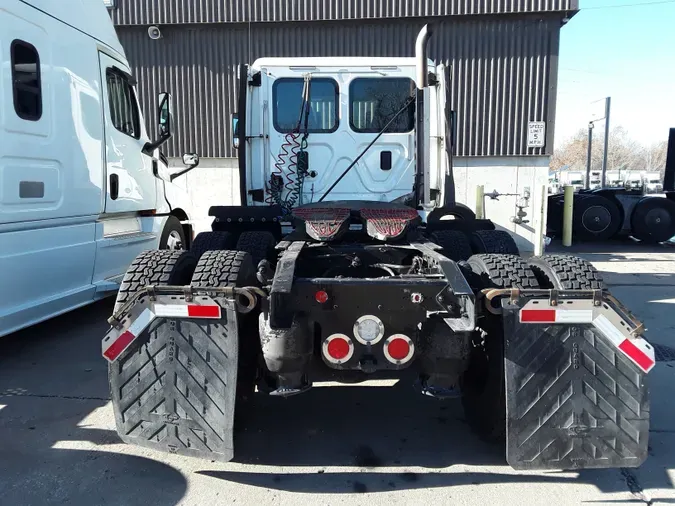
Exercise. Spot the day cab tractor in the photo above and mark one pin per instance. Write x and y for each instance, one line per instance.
(348, 257)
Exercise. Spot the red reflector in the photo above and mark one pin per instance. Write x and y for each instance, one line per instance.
(642, 360)
(321, 296)
(195, 311)
(537, 315)
(398, 349)
(118, 346)
(338, 348)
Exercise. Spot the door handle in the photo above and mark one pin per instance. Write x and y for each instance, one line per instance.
(114, 186)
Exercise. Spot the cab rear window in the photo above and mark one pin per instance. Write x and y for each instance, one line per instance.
(373, 102)
(288, 100)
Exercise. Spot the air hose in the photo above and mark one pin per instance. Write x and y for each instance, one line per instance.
(291, 158)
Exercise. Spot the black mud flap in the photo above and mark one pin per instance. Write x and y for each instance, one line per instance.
(573, 401)
(173, 388)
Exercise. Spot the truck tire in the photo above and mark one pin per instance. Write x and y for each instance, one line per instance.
(259, 244)
(156, 267)
(219, 269)
(483, 383)
(555, 214)
(653, 220)
(596, 218)
(493, 241)
(455, 244)
(173, 235)
(563, 272)
(211, 241)
(459, 212)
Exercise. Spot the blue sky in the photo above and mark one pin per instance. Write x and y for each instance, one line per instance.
(627, 53)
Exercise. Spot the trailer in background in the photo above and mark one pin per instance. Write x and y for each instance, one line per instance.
(610, 212)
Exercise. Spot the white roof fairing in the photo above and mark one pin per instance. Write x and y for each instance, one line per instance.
(88, 16)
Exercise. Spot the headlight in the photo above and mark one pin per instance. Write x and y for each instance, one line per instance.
(368, 329)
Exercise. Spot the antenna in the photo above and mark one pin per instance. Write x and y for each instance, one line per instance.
(249, 40)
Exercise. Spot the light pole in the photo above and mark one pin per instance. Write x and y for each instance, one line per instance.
(598, 117)
(590, 155)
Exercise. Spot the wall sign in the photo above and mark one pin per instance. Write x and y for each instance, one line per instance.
(536, 134)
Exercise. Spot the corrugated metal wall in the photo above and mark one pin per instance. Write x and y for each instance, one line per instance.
(503, 73)
(143, 12)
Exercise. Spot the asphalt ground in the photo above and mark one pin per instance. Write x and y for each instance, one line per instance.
(376, 444)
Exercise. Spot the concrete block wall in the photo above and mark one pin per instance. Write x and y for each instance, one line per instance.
(216, 182)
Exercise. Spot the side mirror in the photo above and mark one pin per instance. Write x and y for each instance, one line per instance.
(191, 161)
(235, 131)
(164, 123)
(164, 112)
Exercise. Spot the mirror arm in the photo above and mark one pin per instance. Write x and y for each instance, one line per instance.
(183, 172)
(150, 147)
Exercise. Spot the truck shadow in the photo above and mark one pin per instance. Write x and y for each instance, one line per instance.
(364, 426)
(55, 444)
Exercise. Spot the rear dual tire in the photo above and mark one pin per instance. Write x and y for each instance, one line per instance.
(221, 269)
(155, 267)
(483, 384)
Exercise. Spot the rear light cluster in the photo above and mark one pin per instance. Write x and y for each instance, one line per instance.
(368, 330)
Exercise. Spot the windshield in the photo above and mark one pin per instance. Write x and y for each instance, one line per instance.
(654, 181)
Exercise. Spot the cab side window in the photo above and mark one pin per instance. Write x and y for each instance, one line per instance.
(124, 113)
(26, 83)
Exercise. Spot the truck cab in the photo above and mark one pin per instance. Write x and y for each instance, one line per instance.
(653, 182)
(351, 100)
(84, 188)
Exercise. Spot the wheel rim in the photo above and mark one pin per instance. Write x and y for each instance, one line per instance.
(174, 241)
(596, 219)
(658, 220)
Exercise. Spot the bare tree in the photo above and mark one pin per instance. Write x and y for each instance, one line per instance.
(656, 156)
(624, 153)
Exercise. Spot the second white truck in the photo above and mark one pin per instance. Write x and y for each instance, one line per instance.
(83, 189)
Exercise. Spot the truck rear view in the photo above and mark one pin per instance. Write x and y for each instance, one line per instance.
(301, 285)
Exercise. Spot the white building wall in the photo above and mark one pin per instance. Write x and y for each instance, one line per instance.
(507, 175)
(216, 182)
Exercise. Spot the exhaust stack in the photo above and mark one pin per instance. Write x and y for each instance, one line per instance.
(422, 175)
(669, 177)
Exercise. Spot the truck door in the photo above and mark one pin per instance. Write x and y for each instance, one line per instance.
(129, 174)
(347, 111)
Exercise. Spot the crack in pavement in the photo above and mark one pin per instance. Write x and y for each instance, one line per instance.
(634, 486)
(48, 396)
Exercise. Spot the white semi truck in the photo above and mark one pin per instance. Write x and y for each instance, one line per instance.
(83, 189)
(573, 178)
(340, 264)
(653, 182)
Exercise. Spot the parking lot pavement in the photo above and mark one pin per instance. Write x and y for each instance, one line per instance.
(334, 445)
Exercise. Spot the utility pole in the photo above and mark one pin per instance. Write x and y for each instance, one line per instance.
(608, 106)
(590, 155)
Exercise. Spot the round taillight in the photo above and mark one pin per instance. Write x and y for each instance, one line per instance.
(338, 348)
(399, 349)
(321, 296)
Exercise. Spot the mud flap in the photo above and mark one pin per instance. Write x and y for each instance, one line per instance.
(173, 388)
(573, 400)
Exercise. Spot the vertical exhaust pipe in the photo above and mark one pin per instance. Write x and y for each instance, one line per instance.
(669, 176)
(422, 175)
